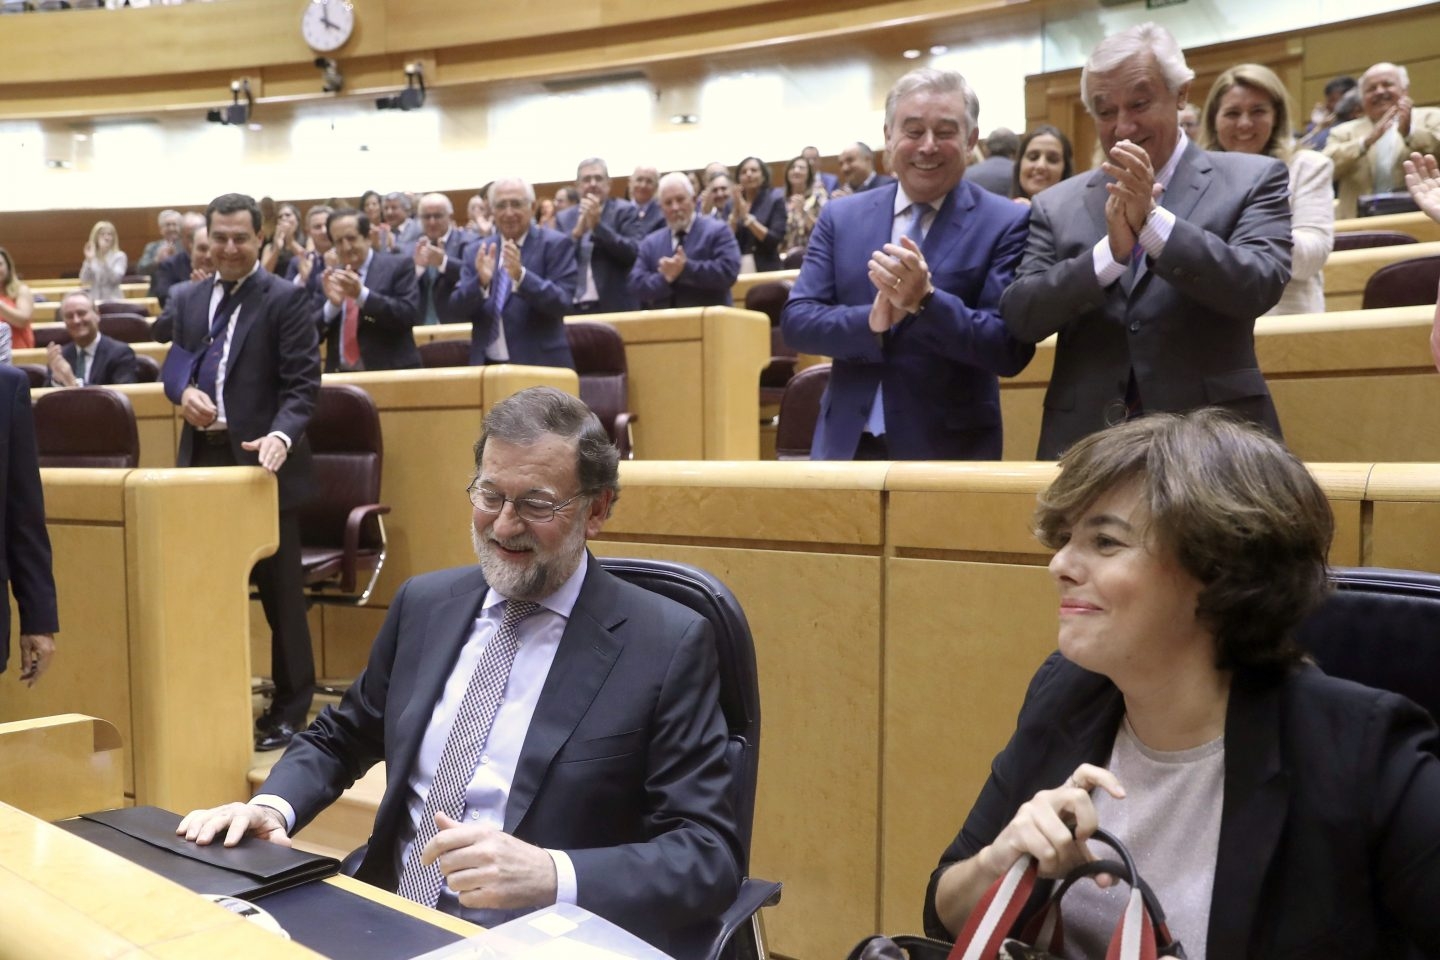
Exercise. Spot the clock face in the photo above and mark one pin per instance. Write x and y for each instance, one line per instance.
(327, 24)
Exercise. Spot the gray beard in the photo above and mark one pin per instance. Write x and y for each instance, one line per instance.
(540, 578)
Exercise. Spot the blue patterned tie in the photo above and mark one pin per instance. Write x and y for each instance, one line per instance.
(207, 373)
(459, 759)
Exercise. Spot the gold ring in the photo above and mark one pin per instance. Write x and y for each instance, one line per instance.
(897, 283)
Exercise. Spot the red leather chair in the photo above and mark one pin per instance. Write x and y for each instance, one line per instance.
(86, 427)
(1408, 283)
(799, 411)
(599, 354)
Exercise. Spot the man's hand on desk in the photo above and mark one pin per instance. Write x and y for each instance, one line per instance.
(236, 820)
(490, 869)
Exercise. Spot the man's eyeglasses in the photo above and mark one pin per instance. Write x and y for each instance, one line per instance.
(526, 508)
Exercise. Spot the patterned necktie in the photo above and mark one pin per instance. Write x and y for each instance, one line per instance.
(431, 315)
(916, 230)
(207, 374)
(462, 748)
(501, 284)
(349, 334)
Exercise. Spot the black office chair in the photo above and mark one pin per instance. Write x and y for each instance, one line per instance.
(1381, 628)
(740, 702)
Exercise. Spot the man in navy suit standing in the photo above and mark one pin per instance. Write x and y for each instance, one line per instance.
(247, 402)
(606, 235)
(516, 286)
(25, 562)
(438, 254)
(901, 286)
(692, 264)
(371, 301)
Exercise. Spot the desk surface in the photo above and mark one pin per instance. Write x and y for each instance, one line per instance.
(65, 897)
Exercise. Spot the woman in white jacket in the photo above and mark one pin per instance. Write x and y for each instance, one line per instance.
(1248, 111)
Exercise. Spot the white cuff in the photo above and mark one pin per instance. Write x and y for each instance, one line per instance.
(283, 438)
(1107, 269)
(280, 804)
(565, 891)
(1156, 231)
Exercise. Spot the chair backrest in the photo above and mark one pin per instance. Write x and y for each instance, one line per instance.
(1381, 628)
(799, 411)
(739, 680)
(1408, 283)
(1362, 239)
(86, 427)
(599, 354)
(126, 327)
(768, 298)
(147, 369)
(106, 308)
(793, 260)
(445, 353)
(44, 336)
(348, 454)
(37, 372)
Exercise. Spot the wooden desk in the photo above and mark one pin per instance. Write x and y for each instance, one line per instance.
(46, 311)
(1416, 224)
(57, 287)
(65, 897)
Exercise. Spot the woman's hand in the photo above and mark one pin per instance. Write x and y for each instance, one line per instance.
(1051, 826)
(89, 250)
(739, 206)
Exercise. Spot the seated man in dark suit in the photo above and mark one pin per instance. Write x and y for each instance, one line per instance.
(550, 732)
(692, 264)
(607, 237)
(371, 301)
(178, 268)
(437, 255)
(90, 359)
(515, 286)
(857, 171)
(901, 285)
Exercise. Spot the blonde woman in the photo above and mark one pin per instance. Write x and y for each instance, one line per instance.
(105, 263)
(17, 305)
(1248, 111)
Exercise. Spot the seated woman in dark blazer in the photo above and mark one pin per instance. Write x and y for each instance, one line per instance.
(757, 215)
(1275, 811)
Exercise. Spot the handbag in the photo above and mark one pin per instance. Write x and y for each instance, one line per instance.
(1141, 933)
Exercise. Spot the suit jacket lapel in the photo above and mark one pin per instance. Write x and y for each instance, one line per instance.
(587, 652)
(250, 292)
(947, 228)
(1256, 800)
(1192, 178)
(449, 626)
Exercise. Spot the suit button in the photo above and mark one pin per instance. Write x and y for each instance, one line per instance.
(1135, 327)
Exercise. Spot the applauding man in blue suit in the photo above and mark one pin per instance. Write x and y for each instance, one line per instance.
(901, 286)
(516, 286)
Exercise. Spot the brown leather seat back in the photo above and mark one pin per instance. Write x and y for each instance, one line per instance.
(348, 454)
(599, 354)
(86, 427)
(799, 411)
(1408, 283)
(1364, 239)
(126, 327)
(445, 353)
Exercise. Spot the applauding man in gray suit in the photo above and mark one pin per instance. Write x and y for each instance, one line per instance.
(1153, 268)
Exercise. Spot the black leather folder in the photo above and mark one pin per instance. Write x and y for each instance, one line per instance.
(253, 868)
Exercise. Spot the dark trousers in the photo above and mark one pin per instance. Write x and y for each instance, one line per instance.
(280, 582)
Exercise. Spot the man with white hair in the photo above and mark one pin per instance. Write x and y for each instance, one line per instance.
(694, 263)
(437, 253)
(516, 286)
(1153, 268)
(644, 183)
(901, 285)
(1369, 151)
(167, 246)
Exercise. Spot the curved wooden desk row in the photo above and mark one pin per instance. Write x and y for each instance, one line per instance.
(47, 312)
(1348, 386)
(692, 384)
(899, 611)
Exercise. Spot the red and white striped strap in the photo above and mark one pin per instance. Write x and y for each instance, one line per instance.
(996, 912)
